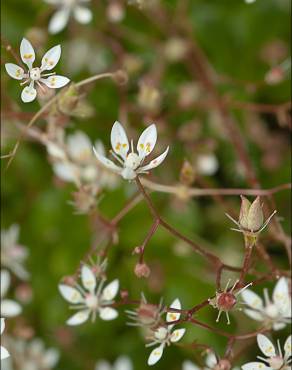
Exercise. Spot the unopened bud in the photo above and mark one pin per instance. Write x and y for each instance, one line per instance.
(138, 250)
(149, 97)
(115, 11)
(175, 49)
(251, 217)
(142, 270)
(187, 174)
(147, 313)
(223, 364)
(120, 77)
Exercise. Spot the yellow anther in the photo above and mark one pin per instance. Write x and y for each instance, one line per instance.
(27, 56)
(124, 145)
(148, 147)
(142, 146)
(118, 146)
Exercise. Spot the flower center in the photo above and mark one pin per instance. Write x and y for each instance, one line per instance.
(276, 362)
(272, 311)
(132, 161)
(161, 334)
(226, 301)
(91, 301)
(35, 74)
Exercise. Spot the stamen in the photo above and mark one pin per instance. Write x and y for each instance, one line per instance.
(227, 285)
(132, 146)
(116, 157)
(227, 316)
(219, 314)
(234, 285)
(242, 289)
(279, 348)
(266, 296)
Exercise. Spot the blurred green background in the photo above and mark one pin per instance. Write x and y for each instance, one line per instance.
(233, 35)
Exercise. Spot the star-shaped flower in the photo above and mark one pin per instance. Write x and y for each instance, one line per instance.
(164, 335)
(35, 75)
(274, 359)
(275, 313)
(91, 298)
(66, 8)
(131, 162)
(4, 352)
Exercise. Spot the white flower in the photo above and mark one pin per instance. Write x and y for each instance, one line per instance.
(164, 336)
(9, 308)
(121, 363)
(276, 312)
(67, 8)
(131, 163)
(13, 254)
(91, 298)
(35, 75)
(274, 359)
(4, 352)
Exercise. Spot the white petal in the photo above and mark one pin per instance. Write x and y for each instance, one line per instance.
(123, 363)
(173, 316)
(4, 353)
(211, 360)
(155, 162)
(10, 308)
(56, 81)
(266, 346)
(108, 313)
(27, 52)
(50, 358)
(155, 355)
(28, 94)
(59, 20)
(281, 293)
(55, 150)
(71, 295)
(110, 291)
(119, 140)
(147, 141)
(51, 58)
(252, 299)
(14, 71)
(255, 366)
(82, 15)
(66, 171)
(2, 325)
(188, 365)
(88, 278)
(78, 318)
(278, 325)
(177, 335)
(288, 346)
(79, 146)
(255, 315)
(107, 163)
(103, 365)
(4, 282)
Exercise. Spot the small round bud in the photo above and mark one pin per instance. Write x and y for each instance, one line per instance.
(121, 77)
(137, 250)
(223, 364)
(226, 301)
(69, 280)
(124, 294)
(142, 270)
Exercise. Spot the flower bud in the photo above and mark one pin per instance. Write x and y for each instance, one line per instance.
(223, 364)
(120, 77)
(147, 313)
(187, 174)
(149, 97)
(275, 76)
(255, 215)
(142, 270)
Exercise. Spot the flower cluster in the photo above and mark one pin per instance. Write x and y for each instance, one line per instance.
(34, 75)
